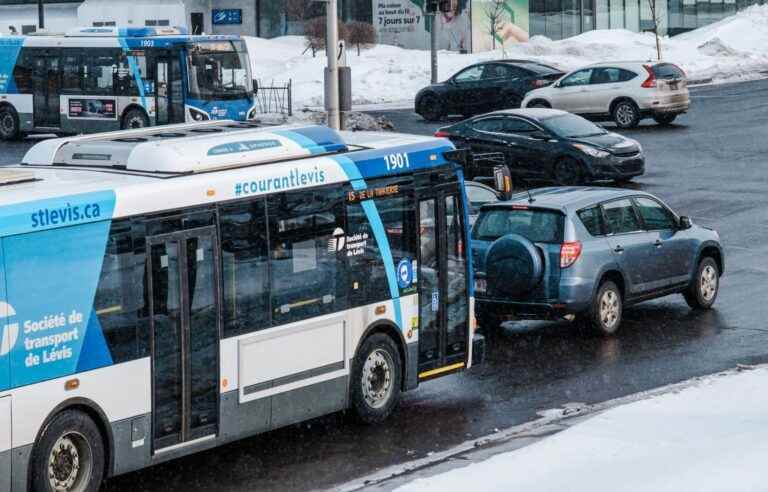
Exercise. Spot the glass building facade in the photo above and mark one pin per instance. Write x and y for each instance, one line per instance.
(558, 19)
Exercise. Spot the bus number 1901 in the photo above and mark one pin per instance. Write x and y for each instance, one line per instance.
(397, 161)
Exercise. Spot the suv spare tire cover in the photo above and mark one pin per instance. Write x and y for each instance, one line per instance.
(513, 266)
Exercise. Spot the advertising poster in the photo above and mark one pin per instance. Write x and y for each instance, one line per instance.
(403, 23)
(223, 17)
(92, 109)
(498, 23)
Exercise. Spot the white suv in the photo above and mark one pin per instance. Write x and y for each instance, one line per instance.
(624, 92)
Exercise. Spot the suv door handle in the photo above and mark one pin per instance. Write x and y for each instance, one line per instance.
(618, 249)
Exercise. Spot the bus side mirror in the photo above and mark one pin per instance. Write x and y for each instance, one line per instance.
(255, 85)
(502, 180)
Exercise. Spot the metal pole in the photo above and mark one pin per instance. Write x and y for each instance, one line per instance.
(433, 46)
(40, 15)
(332, 79)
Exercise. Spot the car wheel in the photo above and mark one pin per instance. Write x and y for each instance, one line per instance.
(604, 317)
(9, 124)
(376, 376)
(626, 114)
(69, 456)
(429, 108)
(702, 292)
(134, 118)
(664, 119)
(567, 172)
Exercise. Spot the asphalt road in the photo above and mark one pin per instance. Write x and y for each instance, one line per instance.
(711, 166)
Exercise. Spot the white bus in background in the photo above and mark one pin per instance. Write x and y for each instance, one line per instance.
(164, 292)
(97, 79)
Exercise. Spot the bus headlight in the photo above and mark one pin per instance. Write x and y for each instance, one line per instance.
(198, 115)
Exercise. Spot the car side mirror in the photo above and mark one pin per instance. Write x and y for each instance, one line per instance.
(685, 223)
(502, 181)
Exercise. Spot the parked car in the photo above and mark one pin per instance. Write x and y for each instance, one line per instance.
(550, 145)
(478, 195)
(623, 92)
(484, 87)
(587, 253)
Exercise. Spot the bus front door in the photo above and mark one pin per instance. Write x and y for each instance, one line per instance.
(184, 305)
(46, 87)
(442, 278)
(169, 92)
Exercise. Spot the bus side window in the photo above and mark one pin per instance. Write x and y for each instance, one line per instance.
(22, 72)
(307, 254)
(119, 296)
(367, 272)
(245, 269)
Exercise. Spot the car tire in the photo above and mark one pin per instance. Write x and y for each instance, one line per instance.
(9, 124)
(567, 172)
(134, 118)
(664, 119)
(703, 290)
(429, 108)
(625, 114)
(69, 455)
(376, 376)
(604, 317)
(511, 100)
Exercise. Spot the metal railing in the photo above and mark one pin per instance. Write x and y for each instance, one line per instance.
(274, 99)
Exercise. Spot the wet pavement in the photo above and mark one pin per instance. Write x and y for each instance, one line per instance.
(712, 166)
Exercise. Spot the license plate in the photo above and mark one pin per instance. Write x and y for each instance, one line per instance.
(673, 86)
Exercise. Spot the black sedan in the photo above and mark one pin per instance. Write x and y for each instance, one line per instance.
(549, 145)
(484, 87)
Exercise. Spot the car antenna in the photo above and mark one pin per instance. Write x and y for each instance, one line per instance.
(530, 197)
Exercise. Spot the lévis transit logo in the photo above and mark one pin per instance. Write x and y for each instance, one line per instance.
(10, 328)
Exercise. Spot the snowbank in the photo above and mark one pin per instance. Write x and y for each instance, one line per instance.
(735, 48)
(708, 437)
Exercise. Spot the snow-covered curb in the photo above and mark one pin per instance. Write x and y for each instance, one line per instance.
(733, 49)
(549, 419)
(707, 436)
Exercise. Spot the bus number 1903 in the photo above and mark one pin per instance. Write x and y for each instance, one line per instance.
(397, 161)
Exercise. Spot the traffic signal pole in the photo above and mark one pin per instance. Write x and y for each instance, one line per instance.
(332, 71)
(433, 47)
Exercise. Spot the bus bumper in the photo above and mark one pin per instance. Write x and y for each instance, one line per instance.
(478, 349)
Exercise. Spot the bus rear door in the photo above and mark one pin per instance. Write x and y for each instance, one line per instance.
(184, 272)
(46, 86)
(442, 279)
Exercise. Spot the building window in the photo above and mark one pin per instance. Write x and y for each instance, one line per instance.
(104, 24)
(157, 22)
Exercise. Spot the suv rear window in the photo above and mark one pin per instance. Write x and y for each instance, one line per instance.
(536, 225)
(668, 71)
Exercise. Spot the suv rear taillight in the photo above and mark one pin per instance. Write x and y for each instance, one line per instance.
(650, 82)
(569, 253)
(442, 133)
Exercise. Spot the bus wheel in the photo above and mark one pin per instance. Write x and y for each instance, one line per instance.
(376, 375)
(9, 124)
(135, 118)
(69, 456)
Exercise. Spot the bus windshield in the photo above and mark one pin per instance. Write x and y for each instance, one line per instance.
(219, 70)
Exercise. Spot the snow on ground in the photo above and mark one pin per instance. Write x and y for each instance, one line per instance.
(711, 436)
(735, 48)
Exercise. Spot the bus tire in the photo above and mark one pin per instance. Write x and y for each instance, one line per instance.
(376, 377)
(134, 118)
(9, 123)
(69, 455)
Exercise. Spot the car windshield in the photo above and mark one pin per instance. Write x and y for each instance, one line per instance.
(536, 225)
(219, 70)
(572, 126)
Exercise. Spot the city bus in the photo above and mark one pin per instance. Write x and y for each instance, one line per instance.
(165, 291)
(107, 78)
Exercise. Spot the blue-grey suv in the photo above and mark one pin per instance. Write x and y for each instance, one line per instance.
(586, 253)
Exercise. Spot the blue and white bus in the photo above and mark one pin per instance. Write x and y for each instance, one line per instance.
(100, 79)
(166, 291)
